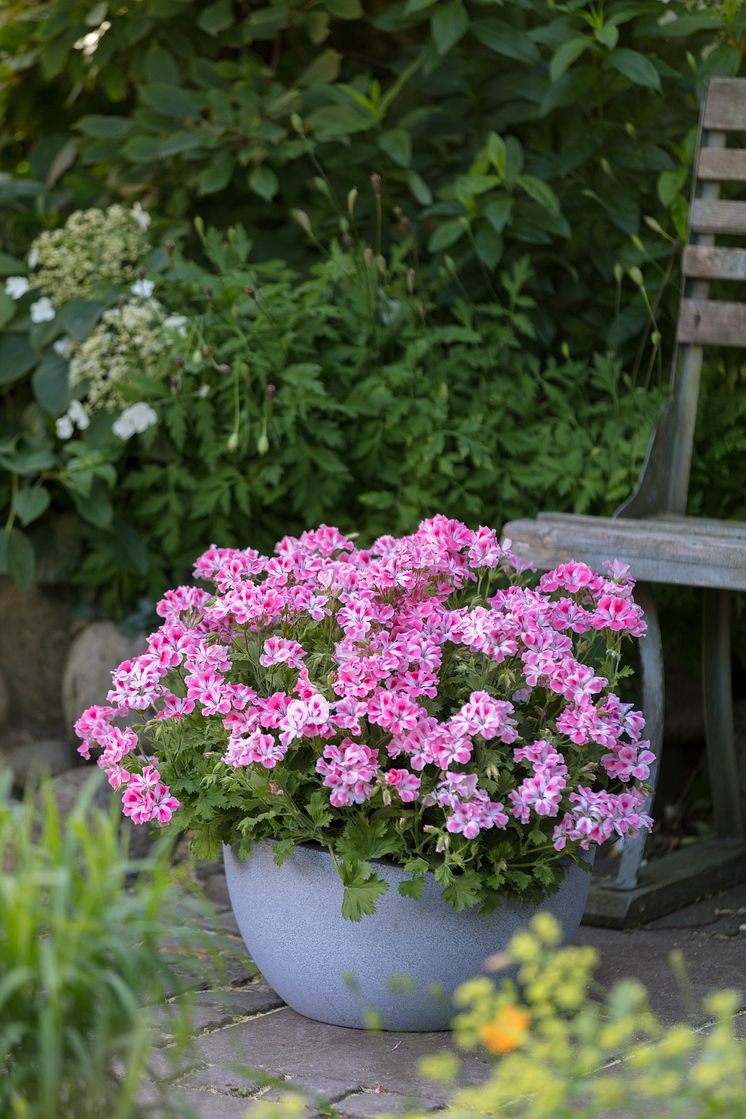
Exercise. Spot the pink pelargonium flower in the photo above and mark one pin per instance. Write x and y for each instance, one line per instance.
(406, 784)
(349, 770)
(257, 747)
(281, 650)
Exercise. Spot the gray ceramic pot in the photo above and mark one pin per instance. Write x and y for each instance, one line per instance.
(403, 963)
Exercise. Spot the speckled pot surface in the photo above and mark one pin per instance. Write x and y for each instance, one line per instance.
(338, 971)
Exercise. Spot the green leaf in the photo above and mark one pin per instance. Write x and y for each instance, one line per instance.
(217, 174)
(11, 265)
(181, 142)
(489, 245)
(27, 459)
(607, 36)
(541, 192)
(217, 17)
(567, 54)
(50, 383)
(324, 69)
(142, 149)
(463, 891)
(17, 557)
(636, 67)
(397, 144)
(7, 308)
(344, 9)
(129, 548)
(670, 184)
(105, 128)
(362, 889)
(30, 502)
(367, 839)
(95, 507)
(412, 888)
(448, 24)
(172, 100)
(413, 6)
(17, 356)
(499, 213)
(263, 182)
(419, 188)
(80, 317)
(160, 66)
(446, 235)
(506, 40)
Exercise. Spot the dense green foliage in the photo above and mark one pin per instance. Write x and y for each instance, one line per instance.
(495, 126)
(346, 395)
(80, 953)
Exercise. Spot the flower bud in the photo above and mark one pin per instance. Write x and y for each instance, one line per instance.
(270, 391)
(347, 242)
(303, 220)
(262, 445)
(232, 443)
(224, 369)
(351, 200)
(296, 122)
(636, 277)
(170, 246)
(376, 182)
(655, 338)
(199, 225)
(251, 293)
(618, 272)
(411, 274)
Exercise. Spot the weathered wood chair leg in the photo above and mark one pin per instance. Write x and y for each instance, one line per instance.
(651, 668)
(718, 705)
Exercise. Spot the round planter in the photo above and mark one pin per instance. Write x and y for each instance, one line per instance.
(403, 963)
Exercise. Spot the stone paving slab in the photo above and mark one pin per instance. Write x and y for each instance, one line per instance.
(244, 1034)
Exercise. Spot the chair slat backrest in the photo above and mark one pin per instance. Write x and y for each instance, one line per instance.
(664, 482)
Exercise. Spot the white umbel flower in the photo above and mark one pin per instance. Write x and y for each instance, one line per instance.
(64, 427)
(16, 286)
(42, 310)
(134, 420)
(142, 217)
(63, 346)
(78, 415)
(143, 288)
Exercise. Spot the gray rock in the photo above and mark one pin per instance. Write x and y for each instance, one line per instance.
(94, 653)
(35, 635)
(209, 1105)
(27, 756)
(210, 1010)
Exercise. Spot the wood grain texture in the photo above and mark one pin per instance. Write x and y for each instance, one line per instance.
(709, 262)
(712, 323)
(725, 106)
(715, 216)
(657, 551)
(723, 165)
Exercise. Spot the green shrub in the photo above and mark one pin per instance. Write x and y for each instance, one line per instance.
(81, 953)
(273, 401)
(499, 128)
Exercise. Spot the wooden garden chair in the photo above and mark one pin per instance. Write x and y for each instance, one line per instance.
(651, 532)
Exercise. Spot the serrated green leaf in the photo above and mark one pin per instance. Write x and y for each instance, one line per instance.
(412, 887)
(362, 890)
(448, 24)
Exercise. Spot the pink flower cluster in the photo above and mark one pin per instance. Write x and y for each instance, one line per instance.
(358, 657)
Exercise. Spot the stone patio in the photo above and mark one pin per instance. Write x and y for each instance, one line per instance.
(246, 1040)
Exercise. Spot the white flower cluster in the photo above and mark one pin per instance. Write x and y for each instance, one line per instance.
(134, 420)
(76, 416)
(92, 245)
(41, 311)
(127, 338)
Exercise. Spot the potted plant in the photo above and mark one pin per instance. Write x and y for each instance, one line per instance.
(411, 733)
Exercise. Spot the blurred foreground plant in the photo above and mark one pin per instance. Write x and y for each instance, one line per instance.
(81, 950)
(568, 1051)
